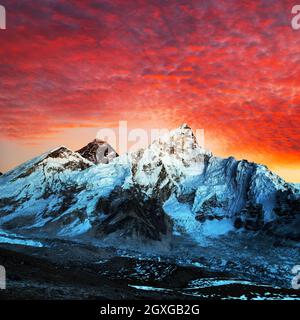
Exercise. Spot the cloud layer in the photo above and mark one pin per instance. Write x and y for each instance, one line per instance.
(231, 67)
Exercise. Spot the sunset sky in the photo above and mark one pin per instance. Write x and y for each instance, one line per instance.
(69, 68)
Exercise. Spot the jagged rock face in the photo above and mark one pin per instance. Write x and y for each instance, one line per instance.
(129, 214)
(251, 217)
(168, 161)
(235, 189)
(287, 208)
(98, 151)
(208, 209)
(62, 193)
(287, 203)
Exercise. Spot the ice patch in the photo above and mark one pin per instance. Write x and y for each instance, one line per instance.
(148, 288)
(209, 282)
(76, 228)
(215, 228)
(186, 223)
(14, 239)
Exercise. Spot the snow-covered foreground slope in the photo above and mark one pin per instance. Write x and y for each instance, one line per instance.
(174, 187)
(10, 238)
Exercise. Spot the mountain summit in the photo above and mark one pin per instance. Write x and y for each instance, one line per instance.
(98, 151)
(168, 161)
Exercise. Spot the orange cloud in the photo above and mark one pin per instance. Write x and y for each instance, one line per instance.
(229, 67)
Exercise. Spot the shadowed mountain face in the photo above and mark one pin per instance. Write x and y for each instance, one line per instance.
(174, 187)
(98, 151)
(129, 214)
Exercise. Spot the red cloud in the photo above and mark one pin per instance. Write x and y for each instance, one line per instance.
(229, 67)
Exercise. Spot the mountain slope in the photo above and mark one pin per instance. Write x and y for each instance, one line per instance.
(51, 194)
(36, 190)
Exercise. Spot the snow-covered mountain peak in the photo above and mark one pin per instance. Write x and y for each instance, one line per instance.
(56, 160)
(183, 130)
(168, 161)
(185, 126)
(59, 155)
(59, 152)
(180, 144)
(98, 151)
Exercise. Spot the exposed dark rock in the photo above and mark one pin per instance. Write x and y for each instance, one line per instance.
(187, 198)
(287, 225)
(208, 208)
(131, 214)
(200, 217)
(238, 223)
(163, 193)
(251, 217)
(287, 203)
(68, 198)
(287, 228)
(26, 173)
(61, 153)
(98, 151)
(8, 205)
